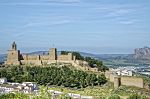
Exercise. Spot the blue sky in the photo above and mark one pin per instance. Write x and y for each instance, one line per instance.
(95, 26)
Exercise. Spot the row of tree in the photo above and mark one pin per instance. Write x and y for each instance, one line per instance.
(91, 61)
(24, 96)
(63, 76)
(132, 96)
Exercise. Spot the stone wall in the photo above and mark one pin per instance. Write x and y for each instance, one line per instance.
(112, 76)
(31, 57)
(132, 81)
(45, 57)
(124, 80)
(63, 57)
(15, 58)
(68, 57)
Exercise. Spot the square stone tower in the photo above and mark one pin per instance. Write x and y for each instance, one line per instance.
(70, 57)
(53, 54)
(13, 57)
(117, 82)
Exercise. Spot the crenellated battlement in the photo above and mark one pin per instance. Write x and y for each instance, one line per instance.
(15, 58)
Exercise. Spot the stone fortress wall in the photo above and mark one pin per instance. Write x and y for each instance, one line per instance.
(14, 57)
(124, 80)
(132, 81)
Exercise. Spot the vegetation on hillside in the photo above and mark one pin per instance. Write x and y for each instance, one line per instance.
(91, 61)
(136, 96)
(96, 63)
(63, 76)
(14, 96)
(45, 94)
(114, 97)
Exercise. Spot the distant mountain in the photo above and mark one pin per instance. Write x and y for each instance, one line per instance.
(38, 53)
(142, 53)
(46, 53)
(139, 54)
(112, 56)
(88, 54)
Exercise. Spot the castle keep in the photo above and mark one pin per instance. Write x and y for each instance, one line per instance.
(14, 57)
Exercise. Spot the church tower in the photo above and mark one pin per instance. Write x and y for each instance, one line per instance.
(13, 57)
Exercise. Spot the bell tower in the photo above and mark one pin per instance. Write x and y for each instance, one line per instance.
(13, 56)
(14, 46)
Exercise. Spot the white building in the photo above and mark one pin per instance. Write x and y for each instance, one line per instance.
(30, 84)
(3, 80)
(7, 89)
(123, 71)
(86, 97)
(74, 96)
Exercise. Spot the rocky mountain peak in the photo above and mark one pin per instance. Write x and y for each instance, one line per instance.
(142, 53)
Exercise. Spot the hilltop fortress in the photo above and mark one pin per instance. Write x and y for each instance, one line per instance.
(14, 57)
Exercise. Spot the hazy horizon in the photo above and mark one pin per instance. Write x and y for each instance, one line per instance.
(91, 50)
(97, 26)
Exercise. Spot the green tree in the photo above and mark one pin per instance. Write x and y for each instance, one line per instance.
(136, 96)
(114, 97)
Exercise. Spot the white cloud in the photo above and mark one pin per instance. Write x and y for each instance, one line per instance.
(121, 13)
(127, 22)
(47, 20)
(115, 10)
(40, 3)
(64, 1)
(47, 23)
(18, 34)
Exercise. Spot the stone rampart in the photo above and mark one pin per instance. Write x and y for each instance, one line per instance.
(124, 80)
(132, 81)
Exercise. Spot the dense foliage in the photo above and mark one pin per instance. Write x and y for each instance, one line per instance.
(14, 96)
(91, 61)
(136, 96)
(62, 76)
(96, 63)
(114, 97)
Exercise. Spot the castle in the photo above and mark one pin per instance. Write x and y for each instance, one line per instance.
(14, 57)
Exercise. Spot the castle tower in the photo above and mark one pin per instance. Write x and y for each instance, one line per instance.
(53, 54)
(117, 82)
(13, 57)
(70, 56)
